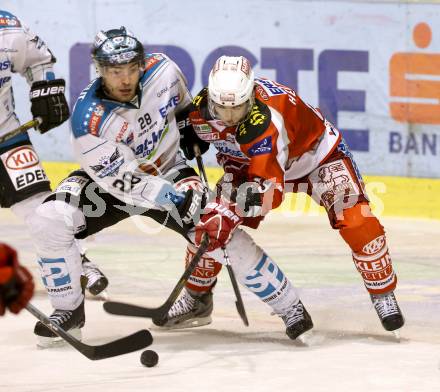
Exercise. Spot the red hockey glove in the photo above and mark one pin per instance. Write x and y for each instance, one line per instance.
(16, 283)
(219, 222)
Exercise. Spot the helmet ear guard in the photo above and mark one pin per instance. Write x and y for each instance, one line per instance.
(117, 47)
(231, 84)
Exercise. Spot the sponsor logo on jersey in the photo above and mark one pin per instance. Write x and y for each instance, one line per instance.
(9, 22)
(4, 65)
(109, 165)
(152, 60)
(228, 148)
(375, 246)
(21, 158)
(149, 144)
(262, 93)
(95, 119)
(72, 185)
(266, 279)
(262, 147)
(30, 178)
(166, 88)
(256, 117)
(23, 167)
(130, 138)
(121, 132)
(4, 80)
(161, 92)
(209, 137)
(173, 102)
(334, 183)
(230, 137)
(54, 273)
(202, 127)
(39, 43)
(270, 87)
(197, 100)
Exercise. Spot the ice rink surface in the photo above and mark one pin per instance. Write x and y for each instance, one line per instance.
(347, 351)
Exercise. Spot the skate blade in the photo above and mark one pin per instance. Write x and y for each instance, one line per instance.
(44, 342)
(191, 323)
(102, 296)
(396, 334)
(305, 339)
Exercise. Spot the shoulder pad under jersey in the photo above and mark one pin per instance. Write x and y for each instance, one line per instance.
(7, 20)
(153, 62)
(255, 125)
(90, 111)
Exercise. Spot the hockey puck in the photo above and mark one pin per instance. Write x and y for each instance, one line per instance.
(149, 358)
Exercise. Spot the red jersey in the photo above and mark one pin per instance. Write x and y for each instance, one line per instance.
(283, 138)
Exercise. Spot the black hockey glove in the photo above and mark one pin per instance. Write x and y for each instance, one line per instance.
(251, 197)
(49, 103)
(191, 207)
(188, 137)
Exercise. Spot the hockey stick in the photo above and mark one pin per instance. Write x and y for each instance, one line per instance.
(125, 345)
(21, 129)
(124, 309)
(239, 302)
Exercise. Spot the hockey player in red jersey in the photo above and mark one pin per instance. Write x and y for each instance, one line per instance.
(269, 142)
(16, 283)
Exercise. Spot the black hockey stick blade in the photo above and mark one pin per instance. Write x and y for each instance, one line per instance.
(239, 302)
(124, 309)
(125, 345)
(134, 342)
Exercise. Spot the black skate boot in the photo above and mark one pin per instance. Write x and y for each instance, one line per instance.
(97, 282)
(388, 311)
(192, 309)
(68, 320)
(297, 320)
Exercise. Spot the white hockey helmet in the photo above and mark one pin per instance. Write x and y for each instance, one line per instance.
(231, 89)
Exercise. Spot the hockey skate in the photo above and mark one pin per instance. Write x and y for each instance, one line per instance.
(68, 320)
(297, 320)
(190, 310)
(388, 311)
(97, 282)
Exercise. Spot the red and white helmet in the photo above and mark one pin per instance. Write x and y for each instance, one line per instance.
(231, 84)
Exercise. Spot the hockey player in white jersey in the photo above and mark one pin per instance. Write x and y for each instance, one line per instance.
(23, 181)
(127, 142)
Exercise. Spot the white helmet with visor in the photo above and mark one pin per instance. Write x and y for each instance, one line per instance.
(231, 89)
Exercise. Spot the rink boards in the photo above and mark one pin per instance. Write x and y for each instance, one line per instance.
(390, 196)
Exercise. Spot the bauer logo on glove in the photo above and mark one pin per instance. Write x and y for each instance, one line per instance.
(49, 103)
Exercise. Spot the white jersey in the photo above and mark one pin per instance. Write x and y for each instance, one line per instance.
(124, 146)
(23, 52)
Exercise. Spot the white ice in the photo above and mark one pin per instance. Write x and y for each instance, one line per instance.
(348, 350)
